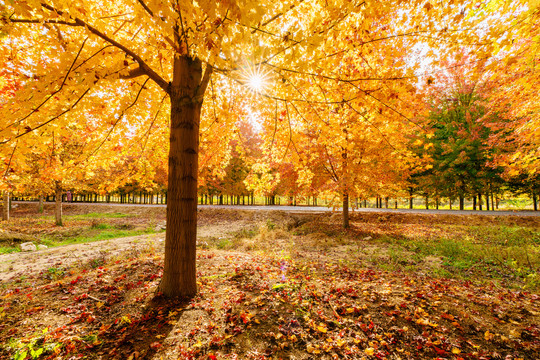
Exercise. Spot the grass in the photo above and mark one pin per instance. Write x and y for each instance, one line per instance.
(478, 251)
(104, 232)
(8, 250)
(89, 216)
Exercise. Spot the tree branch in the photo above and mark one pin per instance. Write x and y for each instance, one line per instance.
(54, 93)
(38, 21)
(204, 82)
(143, 65)
(52, 119)
(150, 12)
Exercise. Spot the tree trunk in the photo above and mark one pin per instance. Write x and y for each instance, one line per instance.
(186, 94)
(535, 200)
(479, 202)
(461, 202)
(474, 202)
(5, 206)
(345, 210)
(487, 202)
(58, 204)
(40, 204)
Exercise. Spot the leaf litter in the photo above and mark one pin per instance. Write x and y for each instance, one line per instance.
(287, 300)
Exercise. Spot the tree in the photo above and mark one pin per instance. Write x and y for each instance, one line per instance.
(61, 48)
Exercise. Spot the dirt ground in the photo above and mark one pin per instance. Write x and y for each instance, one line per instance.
(271, 286)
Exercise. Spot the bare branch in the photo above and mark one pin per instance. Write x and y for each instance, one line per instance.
(204, 82)
(133, 73)
(39, 21)
(150, 12)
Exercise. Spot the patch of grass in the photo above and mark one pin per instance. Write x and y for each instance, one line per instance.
(101, 226)
(90, 216)
(246, 233)
(478, 251)
(95, 234)
(9, 249)
(223, 244)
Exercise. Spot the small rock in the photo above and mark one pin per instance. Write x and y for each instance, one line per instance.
(28, 246)
(42, 247)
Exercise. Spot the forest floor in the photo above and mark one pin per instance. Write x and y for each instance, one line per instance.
(272, 285)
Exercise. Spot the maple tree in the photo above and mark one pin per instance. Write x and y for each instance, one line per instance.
(459, 159)
(136, 55)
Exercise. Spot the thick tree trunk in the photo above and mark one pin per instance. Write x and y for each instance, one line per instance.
(186, 94)
(5, 206)
(345, 210)
(58, 204)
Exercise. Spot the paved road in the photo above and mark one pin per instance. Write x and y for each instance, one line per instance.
(322, 209)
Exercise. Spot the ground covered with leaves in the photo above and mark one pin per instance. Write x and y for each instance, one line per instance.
(295, 287)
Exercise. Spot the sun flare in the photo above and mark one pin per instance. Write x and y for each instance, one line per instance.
(255, 79)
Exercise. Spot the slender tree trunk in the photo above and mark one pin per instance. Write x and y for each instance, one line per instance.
(345, 210)
(410, 202)
(58, 204)
(5, 206)
(535, 200)
(186, 93)
(461, 202)
(487, 202)
(479, 202)
(427, 202)
(40, 205)
(474, 202)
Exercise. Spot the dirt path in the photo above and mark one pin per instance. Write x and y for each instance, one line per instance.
(16, 265)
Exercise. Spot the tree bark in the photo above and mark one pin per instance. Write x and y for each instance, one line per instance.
(186, 93)
(5, 206)
(345, 210)
(461, 202)
(40, 205)
(58, 204)
(535, 200)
